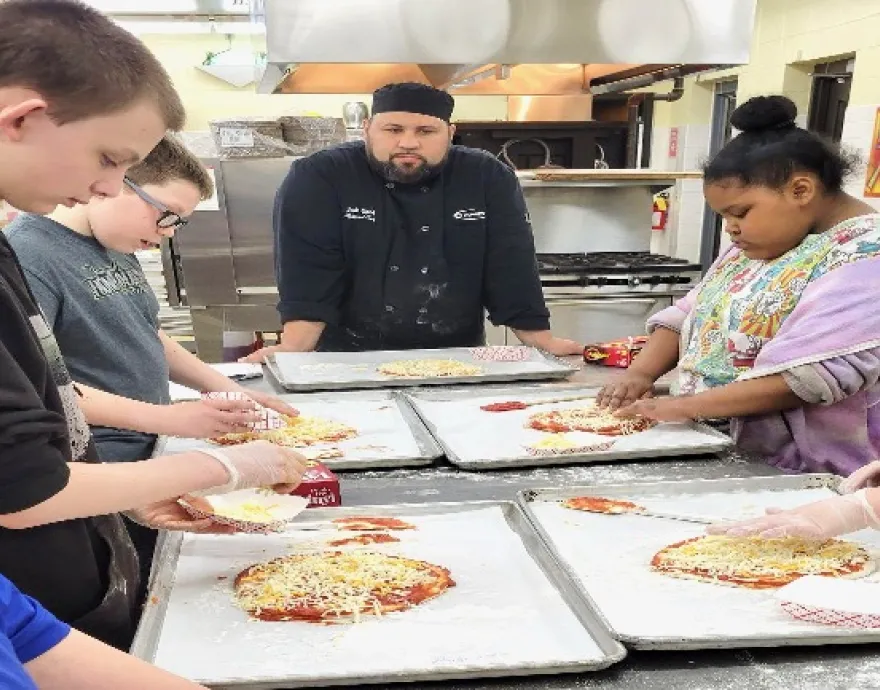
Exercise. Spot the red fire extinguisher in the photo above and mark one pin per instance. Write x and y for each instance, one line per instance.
(661, 212)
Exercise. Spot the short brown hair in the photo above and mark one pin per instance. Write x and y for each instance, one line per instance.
(170, 161)
(82, 63)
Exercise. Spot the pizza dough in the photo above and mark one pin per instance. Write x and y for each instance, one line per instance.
(588, 418)
(335, 586)
(428, 368)
(298, 432)
(596, 504)
(364, 539)
(371, 524)
(758, 563)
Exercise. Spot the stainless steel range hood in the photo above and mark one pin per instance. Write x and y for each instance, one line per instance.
(515, 47)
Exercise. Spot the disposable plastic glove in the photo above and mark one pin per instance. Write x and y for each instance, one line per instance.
(820, 520)
(258, 464)
(864, 477)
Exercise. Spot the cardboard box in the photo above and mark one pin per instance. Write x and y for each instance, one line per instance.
(320, 486)
(618, 353)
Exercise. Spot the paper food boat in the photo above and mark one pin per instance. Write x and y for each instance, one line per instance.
(833, 601)
(501, 353)
(250, 510)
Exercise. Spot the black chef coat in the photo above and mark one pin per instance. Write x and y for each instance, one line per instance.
(392, 266)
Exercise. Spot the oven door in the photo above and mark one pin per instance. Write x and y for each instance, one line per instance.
(598, 319)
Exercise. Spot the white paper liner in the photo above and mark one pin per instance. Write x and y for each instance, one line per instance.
(473, 434)
(640, 603)
(283, 507)
(502, 613)
(382, 430)
(828, 601)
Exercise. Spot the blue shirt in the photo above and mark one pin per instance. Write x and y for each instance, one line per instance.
(27, 630)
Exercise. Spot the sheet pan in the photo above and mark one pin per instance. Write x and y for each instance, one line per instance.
(308, 371)
(390, 433)
(609, 555)
(475, 439)
(512, 611)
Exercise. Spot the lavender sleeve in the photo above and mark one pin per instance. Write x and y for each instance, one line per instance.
(673, 317)
(832, 380)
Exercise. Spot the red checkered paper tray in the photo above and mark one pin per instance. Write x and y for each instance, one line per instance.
(269, 419)
(501, 353)
(833, 601)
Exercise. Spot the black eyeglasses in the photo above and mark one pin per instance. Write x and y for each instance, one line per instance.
(167, 218)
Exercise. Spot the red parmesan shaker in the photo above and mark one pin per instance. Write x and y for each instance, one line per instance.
(320, 486)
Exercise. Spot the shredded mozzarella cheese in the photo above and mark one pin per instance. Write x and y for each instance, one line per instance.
(298, 432)
(427, 368)
(589, 418)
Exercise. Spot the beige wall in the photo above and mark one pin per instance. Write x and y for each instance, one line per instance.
(207, 98)
(790, 37)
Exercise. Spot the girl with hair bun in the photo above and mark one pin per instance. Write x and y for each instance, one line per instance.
(783, 333)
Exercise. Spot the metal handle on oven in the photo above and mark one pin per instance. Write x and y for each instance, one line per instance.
(622, 300)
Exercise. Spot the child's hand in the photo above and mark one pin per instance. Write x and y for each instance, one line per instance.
(626, 390)
(673, 409)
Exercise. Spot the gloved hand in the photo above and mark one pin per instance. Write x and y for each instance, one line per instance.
(820, 520)
(864, 477)
(258, 464)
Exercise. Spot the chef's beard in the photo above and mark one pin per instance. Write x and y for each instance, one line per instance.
(392, 172)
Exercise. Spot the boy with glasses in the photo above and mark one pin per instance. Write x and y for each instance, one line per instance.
(81, 266)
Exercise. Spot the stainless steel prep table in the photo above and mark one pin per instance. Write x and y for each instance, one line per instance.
(804, 668)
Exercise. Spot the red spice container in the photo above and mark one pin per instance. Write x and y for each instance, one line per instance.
(618, 353)
(320, 486)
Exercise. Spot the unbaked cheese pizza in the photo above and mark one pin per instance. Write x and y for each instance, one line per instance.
(335, 586)
(428, 368)
(298, 432)
(589, 418)
(759, 563)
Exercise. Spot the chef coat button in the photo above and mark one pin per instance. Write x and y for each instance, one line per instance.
(389, 308)
(389, 185)
(394, 268)
(425, 228)
(424, 269)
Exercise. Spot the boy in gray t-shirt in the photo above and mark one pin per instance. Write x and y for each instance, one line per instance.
(80, 265)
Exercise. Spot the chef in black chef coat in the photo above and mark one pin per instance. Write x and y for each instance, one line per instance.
(404, 241)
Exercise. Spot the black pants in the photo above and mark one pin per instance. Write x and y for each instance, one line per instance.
(128, 447)
(144, 540)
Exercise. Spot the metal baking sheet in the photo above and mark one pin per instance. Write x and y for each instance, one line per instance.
(512, 611)
(478, 440)
(609, 555)
(390, 434)
(307, 371)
